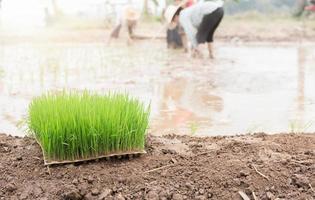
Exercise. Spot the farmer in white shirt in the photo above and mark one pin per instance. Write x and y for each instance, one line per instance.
(200, 21)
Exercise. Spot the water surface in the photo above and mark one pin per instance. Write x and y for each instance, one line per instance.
(248, 88)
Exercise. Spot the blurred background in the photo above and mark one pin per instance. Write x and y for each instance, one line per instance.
(40, 13)
(262, 79)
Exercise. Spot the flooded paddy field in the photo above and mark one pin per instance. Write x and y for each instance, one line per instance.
(248, 88)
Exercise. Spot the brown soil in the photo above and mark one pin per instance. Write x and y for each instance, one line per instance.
(175, 167)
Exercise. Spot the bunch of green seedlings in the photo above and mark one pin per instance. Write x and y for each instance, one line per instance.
(74, 125)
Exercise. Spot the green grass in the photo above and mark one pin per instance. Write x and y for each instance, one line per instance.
(74, 125)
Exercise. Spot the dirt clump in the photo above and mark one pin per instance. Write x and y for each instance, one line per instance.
(263, 166)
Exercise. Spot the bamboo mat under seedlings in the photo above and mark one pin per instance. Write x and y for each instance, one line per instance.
(74, 126)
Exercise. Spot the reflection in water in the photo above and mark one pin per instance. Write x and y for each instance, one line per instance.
(301, 123)
(249, 88)
(183, 105)
(301, 81)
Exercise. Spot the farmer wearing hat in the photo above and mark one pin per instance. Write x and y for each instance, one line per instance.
(200, 21)
(174, 33)
(127, 20)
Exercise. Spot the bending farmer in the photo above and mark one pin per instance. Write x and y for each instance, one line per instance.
(127, 20)
(200, 21)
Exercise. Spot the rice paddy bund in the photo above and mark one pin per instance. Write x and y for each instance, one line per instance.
(72, 126)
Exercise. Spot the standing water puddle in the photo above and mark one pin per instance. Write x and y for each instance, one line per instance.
(249, 88)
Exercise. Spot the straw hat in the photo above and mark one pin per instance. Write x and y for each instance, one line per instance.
(172, 9)
(131, 14)
(170, 12)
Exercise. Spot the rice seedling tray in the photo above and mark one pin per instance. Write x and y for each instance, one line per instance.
(48, 162)
(73, 127)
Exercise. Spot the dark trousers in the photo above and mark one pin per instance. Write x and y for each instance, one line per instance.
(173, 38)
(208, 26)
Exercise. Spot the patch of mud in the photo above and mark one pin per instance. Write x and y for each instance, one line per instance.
(176, 167)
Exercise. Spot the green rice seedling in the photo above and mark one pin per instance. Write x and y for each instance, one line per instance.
(72, 126)
(193, 128)
(298, 127)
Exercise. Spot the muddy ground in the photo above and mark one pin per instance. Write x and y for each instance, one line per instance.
(235, 29)
(175, 167)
